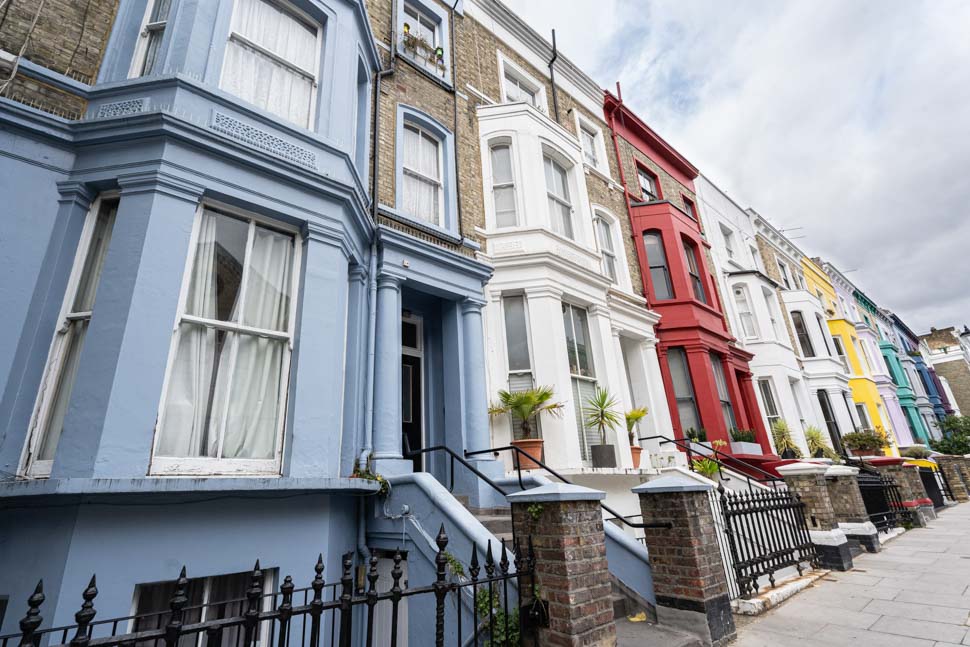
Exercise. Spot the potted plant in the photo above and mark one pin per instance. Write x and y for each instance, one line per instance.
(817, 446)
(633, 418)
(600, 414)
(698, 441)
(864, 442)
(707, 467)
(784, 441)
(743, 441)
(527, 406)
(916, 451)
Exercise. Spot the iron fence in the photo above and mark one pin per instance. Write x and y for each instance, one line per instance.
(766, 533)
(884, 504)
(320, 613)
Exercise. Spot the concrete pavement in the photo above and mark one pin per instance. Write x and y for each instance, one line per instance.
(915, 593)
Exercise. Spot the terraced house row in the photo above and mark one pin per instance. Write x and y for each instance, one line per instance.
(277, 272)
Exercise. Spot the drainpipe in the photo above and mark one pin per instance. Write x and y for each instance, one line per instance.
(552, 77)
(454, 89)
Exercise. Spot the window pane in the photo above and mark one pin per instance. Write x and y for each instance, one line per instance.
(254, 399)
(265, 24)
(661, 283)
(802, 333)
(505, 207)
(567, 320)
(655, 249)
(718, 365)
(768, 397)
(609, 267)
(260, 80)
(70, 353)
(421, 199)
(516, 333)
(94, 260)
(562, 221)
(501, 165)
(154, 609)
(218, 267)
(269, 280)
(197, 385)
(605, 235)
(679, 375)
(583, 390)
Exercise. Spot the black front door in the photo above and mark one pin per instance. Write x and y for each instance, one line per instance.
(411, 405)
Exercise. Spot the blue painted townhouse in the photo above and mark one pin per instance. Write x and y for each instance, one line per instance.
(208, 325)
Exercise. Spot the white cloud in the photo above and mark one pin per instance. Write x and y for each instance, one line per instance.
(850, 119)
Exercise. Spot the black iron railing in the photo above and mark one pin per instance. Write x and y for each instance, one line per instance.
(766, 532)
(257, 618)
(944, 484)
(518, 454)
(884, 504)
(729, 461)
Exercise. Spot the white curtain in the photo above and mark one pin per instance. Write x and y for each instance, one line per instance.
(254, 398)
(420, 190)
(257, 78)
(184, 422)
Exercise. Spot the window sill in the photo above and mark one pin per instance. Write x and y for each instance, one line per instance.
(437, 231)
(442, 81)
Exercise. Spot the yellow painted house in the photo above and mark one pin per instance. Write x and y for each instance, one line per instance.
(867, 408)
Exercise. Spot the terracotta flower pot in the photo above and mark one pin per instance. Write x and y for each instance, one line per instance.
(532, 447)
(635, 451)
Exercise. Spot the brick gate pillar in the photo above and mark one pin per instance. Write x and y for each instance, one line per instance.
(849, 508)
(688, 573)
(950, 466)
(808, 481)
(566, 526)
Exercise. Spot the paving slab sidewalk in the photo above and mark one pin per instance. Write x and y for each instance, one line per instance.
(915, 593)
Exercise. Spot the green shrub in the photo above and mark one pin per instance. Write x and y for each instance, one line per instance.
(916, 451)
(956, 436)
(743, 436)
(784, 442)
(696, 435)
(865, 440)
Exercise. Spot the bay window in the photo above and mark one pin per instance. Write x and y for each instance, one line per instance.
(580, 360)
(683, 390)
(604, 234)
(693, 268)
(503, 185)
(720, 381)
(225, 395)
(557, 194)
(801, 332)
(517, 352)
(272, 59)
(422, 194)
(57, 383)
(748, 325)
(659, 270)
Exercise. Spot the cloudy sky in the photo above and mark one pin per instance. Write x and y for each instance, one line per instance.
(848, 118)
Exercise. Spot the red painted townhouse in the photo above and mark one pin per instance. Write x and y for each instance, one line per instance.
(706, 376)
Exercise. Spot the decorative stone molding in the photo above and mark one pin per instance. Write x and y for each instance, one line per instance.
(263, 140)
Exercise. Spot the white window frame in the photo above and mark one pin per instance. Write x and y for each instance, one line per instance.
(194, 465)
(599, 162)
(577, 377)
(508, 67)
(498, 142)
(528, 344)
(136, 70)
(741, 290)
(727, 234)
(598, 217)
(786, 279)
(406, 170)
(565, 201)
(771, 392)
(863, 414)
(313, 75)
(29, 466)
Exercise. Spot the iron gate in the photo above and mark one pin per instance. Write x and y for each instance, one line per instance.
(766, 533)
(933, 485)
(884, 505)
(318, 615)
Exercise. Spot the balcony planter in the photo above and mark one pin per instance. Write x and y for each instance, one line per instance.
(603, 455)
(532, 447)
(635, 451)
(745, 448)
(704, 449)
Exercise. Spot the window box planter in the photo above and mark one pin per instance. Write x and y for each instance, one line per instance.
(745, 448)
(704, 449)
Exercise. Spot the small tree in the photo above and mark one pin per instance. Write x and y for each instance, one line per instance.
(526, 406)
(633, 418)
(600, 413)
(956, 436)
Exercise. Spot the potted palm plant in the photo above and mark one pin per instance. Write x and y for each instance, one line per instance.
(600, 414)
(633, 418)
(817, 446)
(526, 406)
(784, 441)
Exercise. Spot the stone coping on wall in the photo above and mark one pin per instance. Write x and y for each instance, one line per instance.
(92, 490)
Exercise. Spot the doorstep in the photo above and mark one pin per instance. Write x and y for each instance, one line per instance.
(773, 597)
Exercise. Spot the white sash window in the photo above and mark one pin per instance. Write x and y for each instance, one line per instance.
(605, 235)
(557, 192)
(272, 59)
(225, 395)
(54, 395)
(583, 378)
(422, 163)
(503, 186)
(150, 38)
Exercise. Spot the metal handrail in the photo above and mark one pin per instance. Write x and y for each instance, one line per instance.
(409, 453)
(769, 477)
(516, 451)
